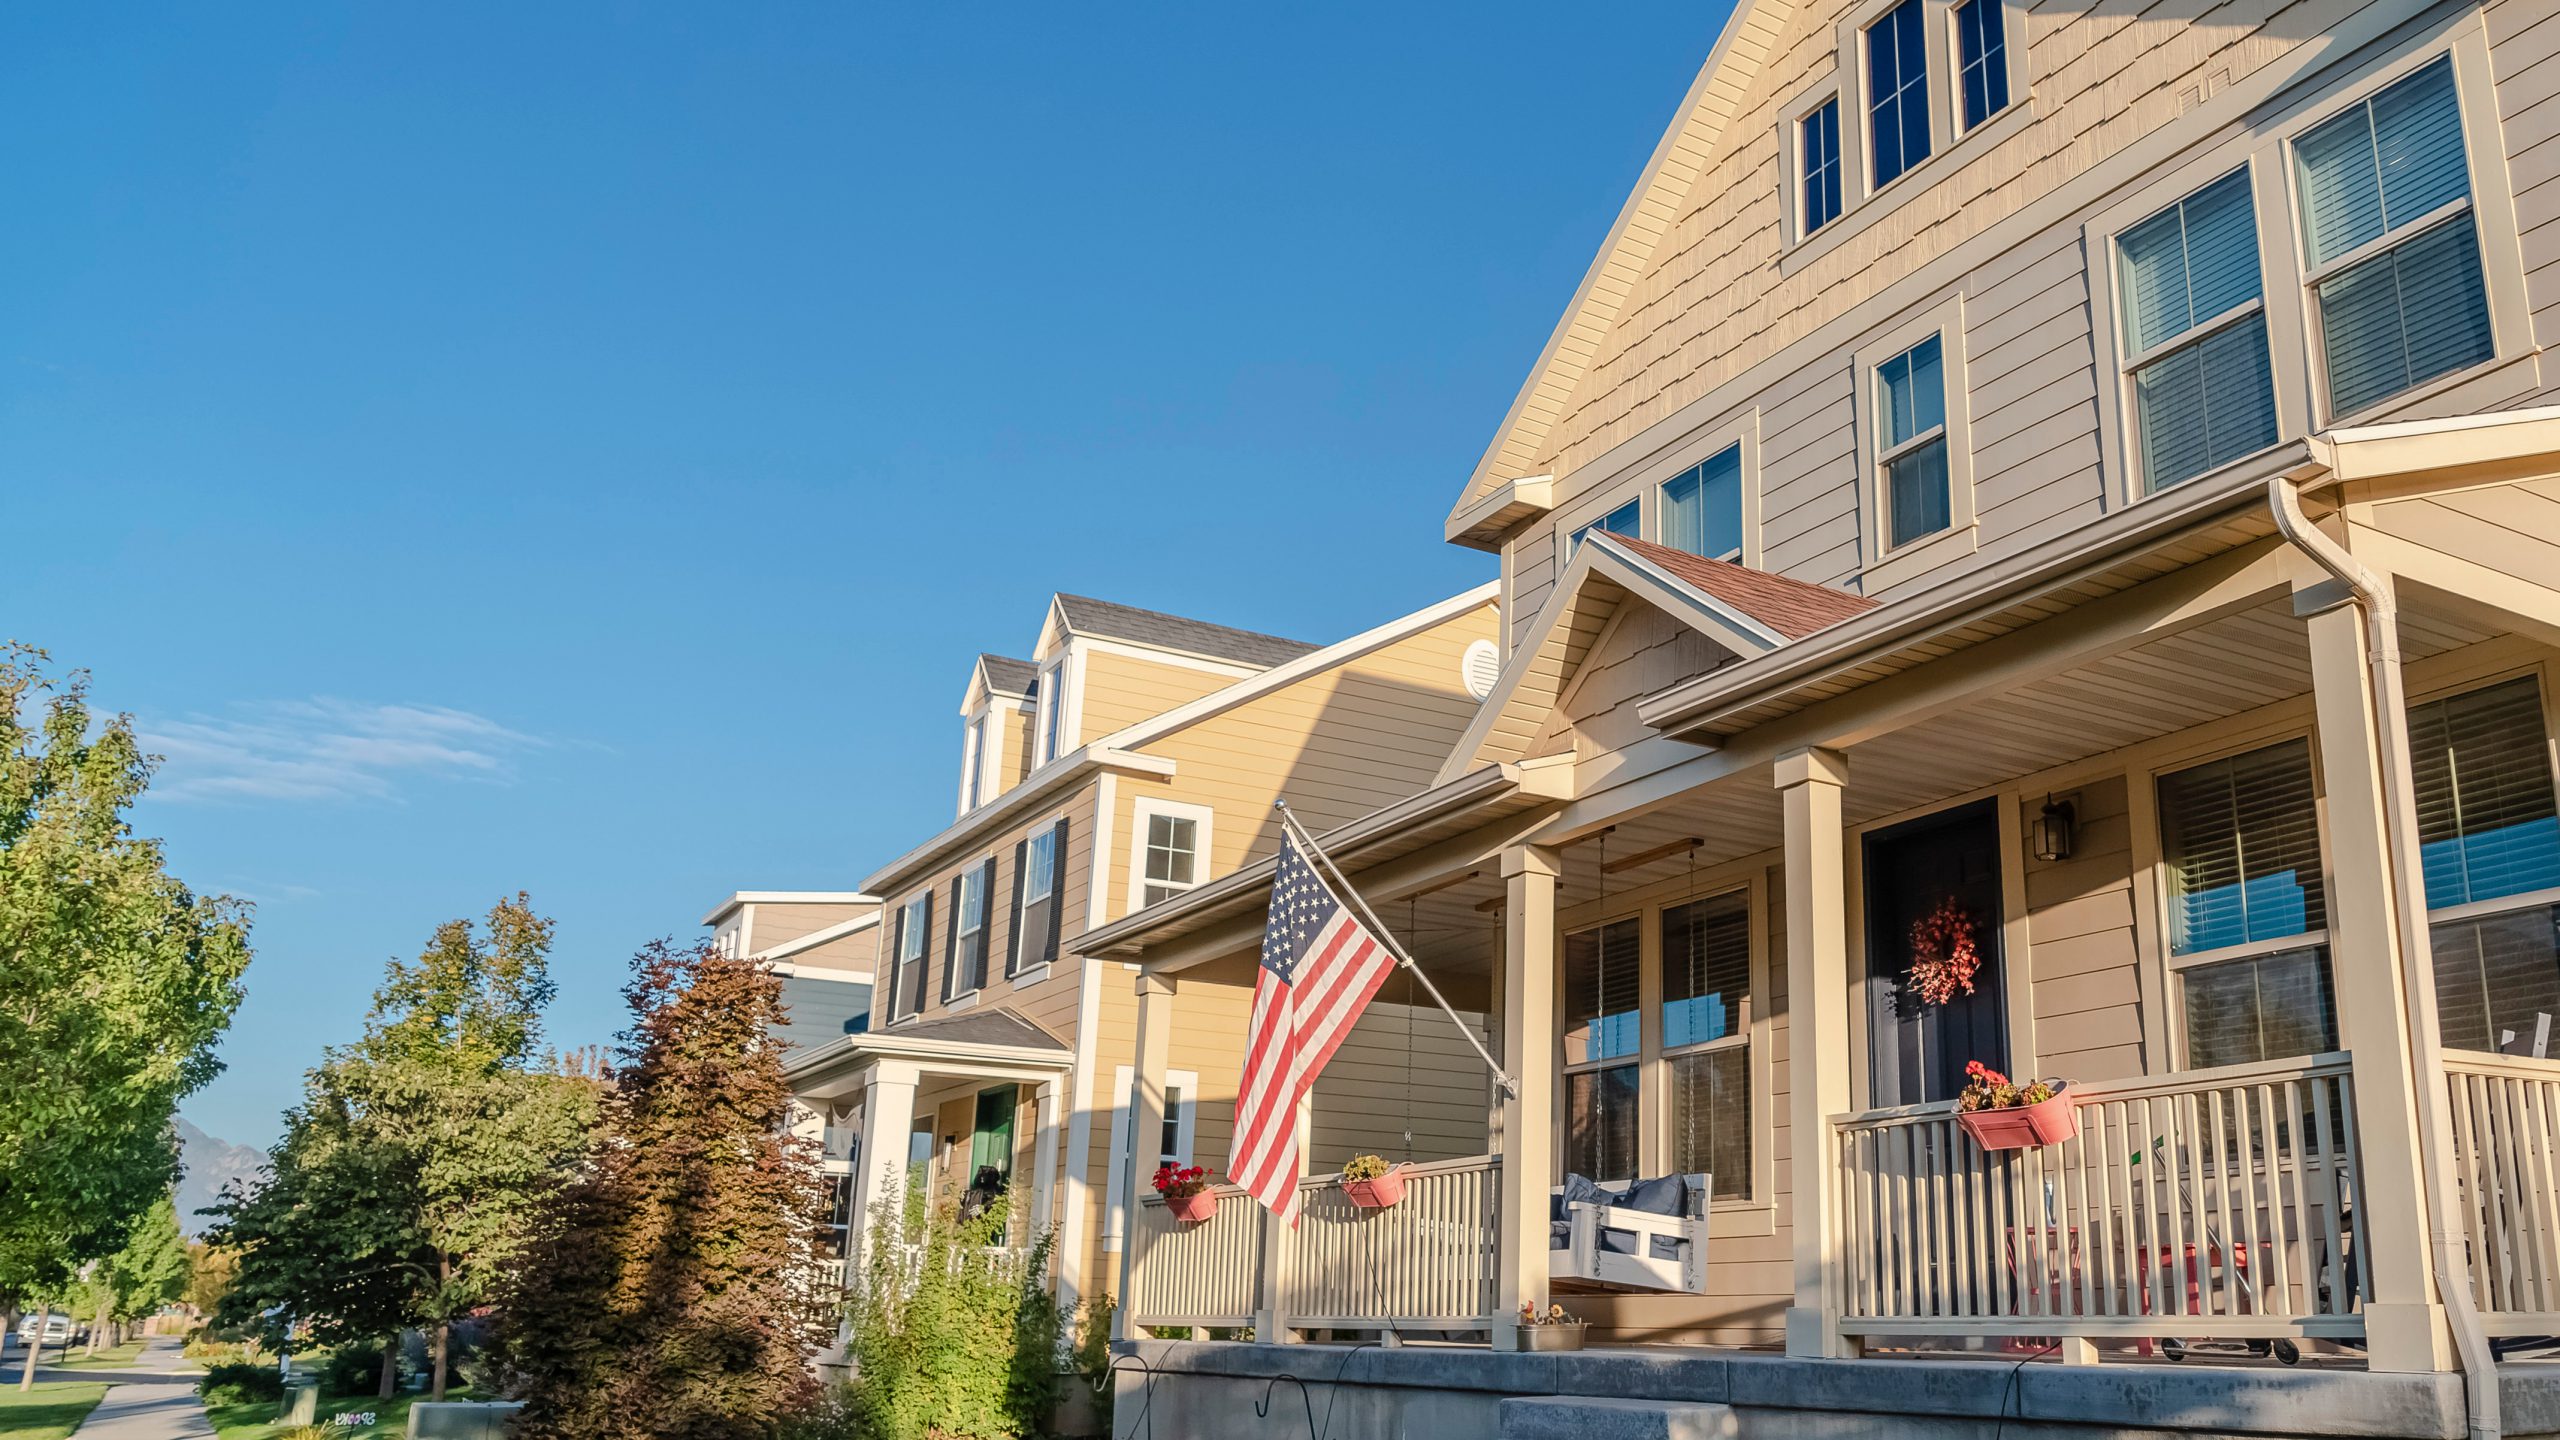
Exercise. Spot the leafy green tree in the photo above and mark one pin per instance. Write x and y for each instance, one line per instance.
(671, 1291)
(149, 1272)
(116, 981)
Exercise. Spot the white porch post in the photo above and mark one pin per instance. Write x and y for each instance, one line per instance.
(2405, 1320)
(880, 1169)
(1146, 1122)
(1819, 992)
(1044, 1153)
(1528, 1114)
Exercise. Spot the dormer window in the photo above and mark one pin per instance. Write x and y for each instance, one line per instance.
(973, 764)
(1053, 705)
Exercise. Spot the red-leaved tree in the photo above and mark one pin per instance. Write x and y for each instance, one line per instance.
(669, 1293)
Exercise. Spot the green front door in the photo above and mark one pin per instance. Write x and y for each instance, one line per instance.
(991, 1148)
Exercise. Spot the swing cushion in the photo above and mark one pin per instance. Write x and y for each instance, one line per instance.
(1668, 1195)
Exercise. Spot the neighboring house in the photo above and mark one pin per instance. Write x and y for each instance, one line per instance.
(2073, 482)
(1131, 758)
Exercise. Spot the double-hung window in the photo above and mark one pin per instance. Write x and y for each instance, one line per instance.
(2241, 840)
(1820, 177)
(1053, 712)
(1982, 59)
(1702, 507)
(1706, 1038)
(1627, 519)
(2391, 241)
(1036, 864)
(1172, 859)
(973, 764)
(1911, 442)
(2195, 322)
(1897, 93)
(966, 971)
(2489, 844)
(1602, 1024)
(909, 953)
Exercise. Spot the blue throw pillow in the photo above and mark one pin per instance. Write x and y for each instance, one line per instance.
(1666, 1196)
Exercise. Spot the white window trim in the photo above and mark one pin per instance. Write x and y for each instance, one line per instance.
(983, 865)
(1751, 1034)
(2013, 38)
(1700, 446)
(1145, 809)
(1014, 969)
(1062, 670)
(1186, 1122)
(1887, 566)
(973, 759)
(898, 960)
(1794, 116)
(2491, 203)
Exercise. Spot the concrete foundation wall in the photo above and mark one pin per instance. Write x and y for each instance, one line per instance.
(1212, 1391)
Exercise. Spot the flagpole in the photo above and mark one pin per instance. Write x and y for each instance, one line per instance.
(1386, 937)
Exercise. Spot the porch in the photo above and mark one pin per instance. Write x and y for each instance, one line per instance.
(2309, 1041)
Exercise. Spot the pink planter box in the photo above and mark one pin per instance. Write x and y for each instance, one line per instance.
(1376, 1194)
(1192, 1209)
(2021, 1127)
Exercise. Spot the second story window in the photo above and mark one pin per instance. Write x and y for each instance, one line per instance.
(2240, 838)
(1037, 863)
(2195, 321)
(967, 969)
(1897, 94)
(1053, 712)
(1702, 507)
(1821, 175)
(1911, 442)
(2391, 241)
(1172, 838)
(1982, 59)
(973, 764)
(1627, 519)
(909, 952)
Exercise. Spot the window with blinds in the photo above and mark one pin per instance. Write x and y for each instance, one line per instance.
(1600, 1123)
(1897, 93)
(2488, 830)
(1702, 507)
(1911, 442)
(2388, 226)
(2195, 327)
(2269, 1007)
(1821, 176)
(1706, 1038)
(1600, 983)
(2241, 837)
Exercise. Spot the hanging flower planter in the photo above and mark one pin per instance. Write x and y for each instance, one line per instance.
(2002, 1115)
(1186, 1192)
(1371, 1183)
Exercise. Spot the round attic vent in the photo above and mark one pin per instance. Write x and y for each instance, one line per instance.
(1480, 667)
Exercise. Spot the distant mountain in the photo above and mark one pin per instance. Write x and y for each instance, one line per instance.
(208, 1165)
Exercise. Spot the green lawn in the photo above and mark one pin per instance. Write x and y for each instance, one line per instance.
(118, 1357)
(49, 1411)
(256, 1422)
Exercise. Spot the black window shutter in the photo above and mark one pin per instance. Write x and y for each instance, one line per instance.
(924, 957)
(1013, 927)
(897, 954)
(1057, 891)
(986, 923)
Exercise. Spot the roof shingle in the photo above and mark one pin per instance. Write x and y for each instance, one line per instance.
(1088, 616)
(1793, 608)
(1008, 676)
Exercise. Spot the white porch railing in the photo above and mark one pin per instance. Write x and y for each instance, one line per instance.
(1425, 1263)
(2506, 1144)
(2212, 1204)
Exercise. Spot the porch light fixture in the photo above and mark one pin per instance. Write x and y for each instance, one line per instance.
(2053, 830)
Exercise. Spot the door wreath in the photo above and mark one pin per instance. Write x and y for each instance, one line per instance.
(1944, 956)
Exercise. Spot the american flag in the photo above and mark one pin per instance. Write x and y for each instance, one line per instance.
(1320, 965)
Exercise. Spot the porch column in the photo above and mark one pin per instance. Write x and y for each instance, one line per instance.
(2405, 1322)
(1528, 1114)
(1146, 1122)
(1819, 993)
(1044, 1153)
(880, 1166)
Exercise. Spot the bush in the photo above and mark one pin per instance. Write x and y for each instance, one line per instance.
(241, 1382)
(352, 1369)
(923, 1330)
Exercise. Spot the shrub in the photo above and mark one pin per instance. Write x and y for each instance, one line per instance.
(924, 1322)
(352, 1369)
(241, 1382)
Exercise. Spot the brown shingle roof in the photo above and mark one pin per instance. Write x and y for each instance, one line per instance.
(1089, 616)
(1793, 608)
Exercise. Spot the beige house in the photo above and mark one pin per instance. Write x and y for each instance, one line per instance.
(1133, 756)
(2066, 490)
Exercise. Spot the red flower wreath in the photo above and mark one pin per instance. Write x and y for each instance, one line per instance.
(1943, 957)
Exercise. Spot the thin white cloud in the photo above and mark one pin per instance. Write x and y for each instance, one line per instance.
(326, 749)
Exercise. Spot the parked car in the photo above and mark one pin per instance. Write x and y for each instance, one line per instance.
(57, 1329)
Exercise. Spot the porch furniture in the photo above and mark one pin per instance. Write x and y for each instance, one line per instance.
(1648, 1235)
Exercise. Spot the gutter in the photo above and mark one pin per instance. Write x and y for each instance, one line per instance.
(2390, 699)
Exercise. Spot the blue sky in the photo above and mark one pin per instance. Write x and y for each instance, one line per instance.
(580, 448)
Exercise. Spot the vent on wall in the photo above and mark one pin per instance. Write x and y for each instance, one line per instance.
(1480, 667)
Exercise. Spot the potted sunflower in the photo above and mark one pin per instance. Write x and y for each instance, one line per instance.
(1372, 1183)
(1186, 1192)
(2001, 1114)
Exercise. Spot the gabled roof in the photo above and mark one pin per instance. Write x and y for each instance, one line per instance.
(1743, 611)
(1007, 676)
(982, 1027)
(1105, 620)
(1546, 396)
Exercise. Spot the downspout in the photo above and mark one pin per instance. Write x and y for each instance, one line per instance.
(2390, 700)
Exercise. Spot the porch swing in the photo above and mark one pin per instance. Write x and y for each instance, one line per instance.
(1644, 1234)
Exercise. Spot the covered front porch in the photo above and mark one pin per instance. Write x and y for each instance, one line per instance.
(2248, 822)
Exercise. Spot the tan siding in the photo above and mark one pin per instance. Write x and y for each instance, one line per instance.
(2083, 960)
(1121, 690)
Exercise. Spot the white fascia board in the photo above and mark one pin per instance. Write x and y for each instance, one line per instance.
(721, 911)
(816, 938)
(2374, 452)
(889, 1045)
(1218, 702)
(1030, 793)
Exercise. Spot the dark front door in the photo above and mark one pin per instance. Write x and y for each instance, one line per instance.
(1941, 868)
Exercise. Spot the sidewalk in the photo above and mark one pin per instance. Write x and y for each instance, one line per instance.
(155, 1400)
